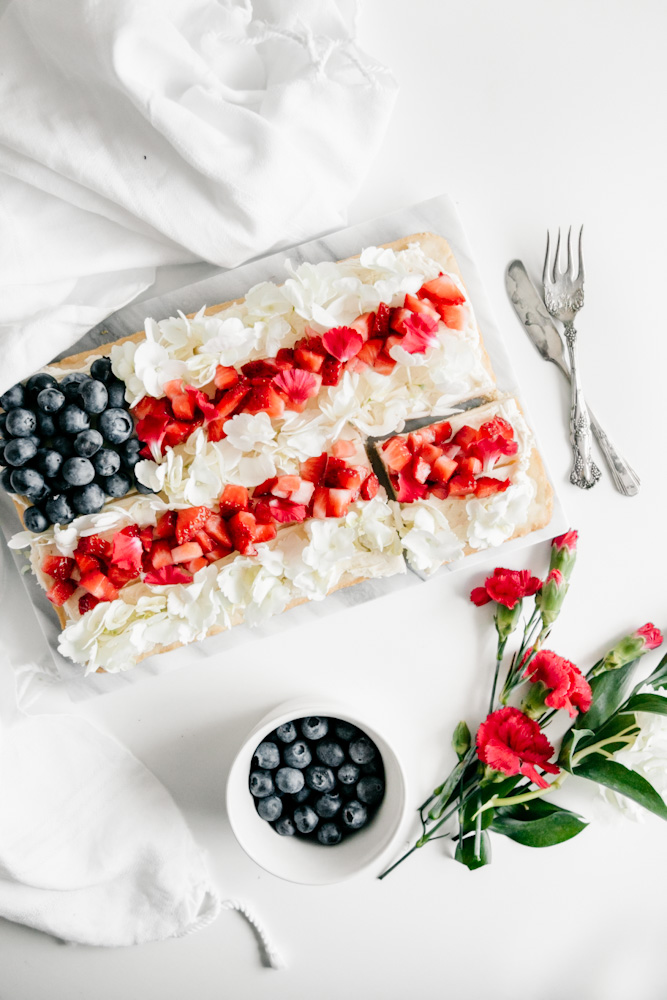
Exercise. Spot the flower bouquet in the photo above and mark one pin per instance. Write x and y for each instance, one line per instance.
(499, 784)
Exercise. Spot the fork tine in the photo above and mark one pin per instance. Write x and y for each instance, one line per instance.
(557, 269)
(569, 253)
(545, 269)
(580, 275)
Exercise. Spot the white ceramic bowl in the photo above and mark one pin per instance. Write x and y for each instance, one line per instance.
(297, 859)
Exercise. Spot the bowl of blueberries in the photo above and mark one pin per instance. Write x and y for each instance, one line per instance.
(315, 795)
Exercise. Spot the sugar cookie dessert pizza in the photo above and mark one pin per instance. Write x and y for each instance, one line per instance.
(216, 468)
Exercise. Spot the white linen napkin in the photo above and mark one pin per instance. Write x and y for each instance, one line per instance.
(142, 133)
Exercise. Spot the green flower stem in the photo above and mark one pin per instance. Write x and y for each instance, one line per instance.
(499, 658)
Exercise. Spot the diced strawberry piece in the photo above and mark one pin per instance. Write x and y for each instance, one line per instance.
(408, 488)
(395, 453)
(465, 437)
(355, 365)
(284, 485)
(342, 342)
(166, 525)
(441, 491)
(186, 552)
(420, 469)
(127, 551)
(383, 364)
(59, 567)
(205, 540)
(461, 484)
(61, 591)
(161, 554)
(183, 406)
(443, 469)
(451, 450)
(94, 545)
(370, 350)
(196, 564)
(230, 400)
(225, 377)
(313, 468)
(219, 552)
(430, 453)
(423, 306)
(485, 486)
(382, 317)
(178, 431)
(441, 431)
(398, 318)
(369, 487)
(260, 369)
(420, 333)
(148, 406)
(264, 399)
(167, 575)
(304, 493)
(470, 465)
(242, 529)
(173, 388)
(331, 371)
(344, 449)
(214, 429)
(130, 531)
(298, 385)
(86, 563)
(344, 479)
(393, 340)
(216, 528)
(339, 502)
(283, 511)
(120, 576)
(307, 359)
(189, 521)
(418, 439)
(285, 358)
(264, 488)
(87, 602)
(320, 502)
(454, 317)
(364, 325)
(497, 427)
(233, 499)
(146, 536)
(262, 511)
(265, 532)
(99, 585)
(442, 289)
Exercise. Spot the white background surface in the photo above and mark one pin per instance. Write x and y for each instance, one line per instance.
(529, 114)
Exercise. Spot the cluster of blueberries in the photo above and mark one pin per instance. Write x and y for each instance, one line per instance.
(319, 778)
(68, 445)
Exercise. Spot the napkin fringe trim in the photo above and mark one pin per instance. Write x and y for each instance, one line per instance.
(211, 908)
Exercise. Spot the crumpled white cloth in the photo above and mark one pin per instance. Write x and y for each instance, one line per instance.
(142, 133)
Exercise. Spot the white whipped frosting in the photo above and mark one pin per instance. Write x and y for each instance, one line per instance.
(306, 561)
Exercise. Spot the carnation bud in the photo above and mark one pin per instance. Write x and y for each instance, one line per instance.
(507, 619)
(461, 740)
(550, 598)
(533, 704)
(564, 553)
(630, 648)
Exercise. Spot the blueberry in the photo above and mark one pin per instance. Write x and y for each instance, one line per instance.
(46, 425)
(3, 420)
(302, 795)
(289, 779)
(50, 400)
(64, 445)
(101, 369)
(320, 779)
(94, 396)
(354, 814)
(373, 767)
(58, 510)
(139, 487)
(261, 784)
(286, 733)
(130, 452)
(116, 393)
(21, 422)
(116, 425)
(118, 485)
(78, 471)
(297, 755)
(314, 728)
(19, 451)
(39, 381)
(327, 806)
(60, 485)
(34, 520)
(106, 461)
(72, 419)
(6, 479)
(13, 397)
(370, 790)
(267, 755)
(71, 385)
(285, 827)
(348, 774)
(86, 443)
(88, 499)
(305, 819)
(270, 808)
(28, 482)
(345, 730)
(362, 750)
(35, 438)
(330, 753)
(329, 834)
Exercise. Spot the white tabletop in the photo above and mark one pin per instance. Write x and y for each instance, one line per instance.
(528, 114)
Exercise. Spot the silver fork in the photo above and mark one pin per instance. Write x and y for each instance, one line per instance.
(564, 297)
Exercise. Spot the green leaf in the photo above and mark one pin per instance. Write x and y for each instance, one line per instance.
(623, 722)
(569, 745)
(537, 823)
(445, 791)
(647, 703)
(465, 851)
(621, 779)
(658, 679)
(609, 692)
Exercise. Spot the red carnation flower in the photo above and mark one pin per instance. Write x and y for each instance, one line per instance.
(568, 541)
(510, 742)
(651, 635)
(506, 586)
(569, 689)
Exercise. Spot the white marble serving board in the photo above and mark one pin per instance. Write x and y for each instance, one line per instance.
(438, 215)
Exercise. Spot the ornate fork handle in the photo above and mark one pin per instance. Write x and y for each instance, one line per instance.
(585, 472)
